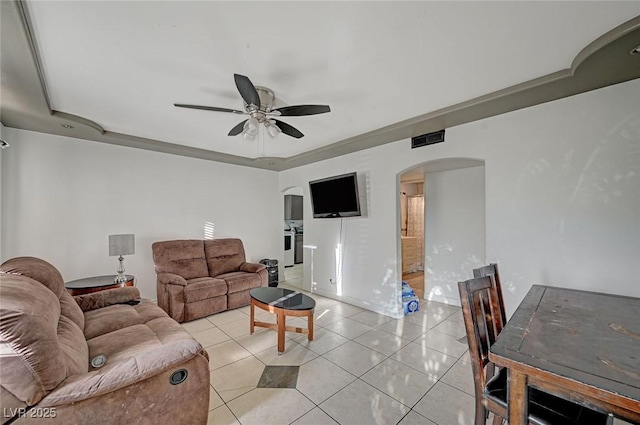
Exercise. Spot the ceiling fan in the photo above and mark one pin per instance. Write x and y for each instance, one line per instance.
(258, 103)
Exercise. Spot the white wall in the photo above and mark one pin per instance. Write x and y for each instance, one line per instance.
(454, 230)
(294, 191)
(562, 183)
(62, 197)
(357, 243)
(562, 200)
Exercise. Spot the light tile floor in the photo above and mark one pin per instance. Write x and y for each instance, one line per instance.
(361, 368)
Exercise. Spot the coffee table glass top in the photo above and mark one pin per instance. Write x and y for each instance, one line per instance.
(283, 298)
(93, 282)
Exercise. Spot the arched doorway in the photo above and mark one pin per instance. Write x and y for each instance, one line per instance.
(441, 210)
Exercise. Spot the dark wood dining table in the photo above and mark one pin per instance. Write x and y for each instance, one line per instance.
(582, 346)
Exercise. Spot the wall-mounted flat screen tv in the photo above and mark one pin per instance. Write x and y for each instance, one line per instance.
(335, 196)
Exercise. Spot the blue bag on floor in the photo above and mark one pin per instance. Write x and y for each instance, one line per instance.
(410, 302)
(406, 290)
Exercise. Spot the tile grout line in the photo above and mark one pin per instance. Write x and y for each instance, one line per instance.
(359, 377)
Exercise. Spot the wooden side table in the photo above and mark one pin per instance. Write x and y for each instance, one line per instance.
(88, 285)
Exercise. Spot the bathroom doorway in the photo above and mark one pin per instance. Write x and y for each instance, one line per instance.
(441, 226)
(412, 209)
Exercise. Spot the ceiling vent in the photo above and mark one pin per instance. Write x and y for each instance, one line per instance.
(427, 139)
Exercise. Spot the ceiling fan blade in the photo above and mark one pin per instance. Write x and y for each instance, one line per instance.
(289, 130)
(237, 129)
(247, 90)
(296, 111)
(208, 108)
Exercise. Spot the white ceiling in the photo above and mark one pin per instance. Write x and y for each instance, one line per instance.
(122, 64)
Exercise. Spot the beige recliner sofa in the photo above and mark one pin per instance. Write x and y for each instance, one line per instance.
(197, 278)
(154, 372)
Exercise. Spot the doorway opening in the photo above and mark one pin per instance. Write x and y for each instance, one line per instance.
(412, 229)
(441, 227)
(293, 258)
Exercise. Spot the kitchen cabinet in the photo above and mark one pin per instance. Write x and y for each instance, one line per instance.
(293, 207)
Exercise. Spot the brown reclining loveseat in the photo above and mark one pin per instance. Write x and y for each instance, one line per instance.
(197, 278)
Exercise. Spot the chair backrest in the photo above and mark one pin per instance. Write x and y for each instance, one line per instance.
(483, 322)
(492, 270)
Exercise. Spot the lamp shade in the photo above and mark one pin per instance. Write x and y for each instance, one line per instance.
(121, 245)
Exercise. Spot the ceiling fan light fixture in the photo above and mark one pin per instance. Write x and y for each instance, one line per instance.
(250, 130)
(272, 129)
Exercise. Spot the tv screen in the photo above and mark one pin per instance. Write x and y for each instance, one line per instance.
(335, 196)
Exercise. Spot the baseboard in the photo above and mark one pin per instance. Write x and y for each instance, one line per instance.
(376, 308)
(444, 300)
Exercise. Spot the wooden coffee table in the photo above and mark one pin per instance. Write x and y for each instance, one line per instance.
(282, 302)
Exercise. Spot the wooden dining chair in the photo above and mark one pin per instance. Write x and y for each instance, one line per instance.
(483, 320)
(492, 270)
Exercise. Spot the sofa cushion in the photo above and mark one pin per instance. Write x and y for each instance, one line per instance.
(223, 255)
(204, 287)
(241, 281)
(182, 257)
(39, 346)
(132, 354)
(108, 319)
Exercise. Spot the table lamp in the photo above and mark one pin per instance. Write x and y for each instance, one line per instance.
(121, 245)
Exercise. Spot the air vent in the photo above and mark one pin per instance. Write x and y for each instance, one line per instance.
(427, 139)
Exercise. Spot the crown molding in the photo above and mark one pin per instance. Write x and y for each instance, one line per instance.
(25, 102)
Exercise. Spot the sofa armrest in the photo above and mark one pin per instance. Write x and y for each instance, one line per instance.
(95, 300)
(124, 371)
(171, 279)
(252, 267)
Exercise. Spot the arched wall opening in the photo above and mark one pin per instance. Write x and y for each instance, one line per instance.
(291, 270)
(441, 225)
